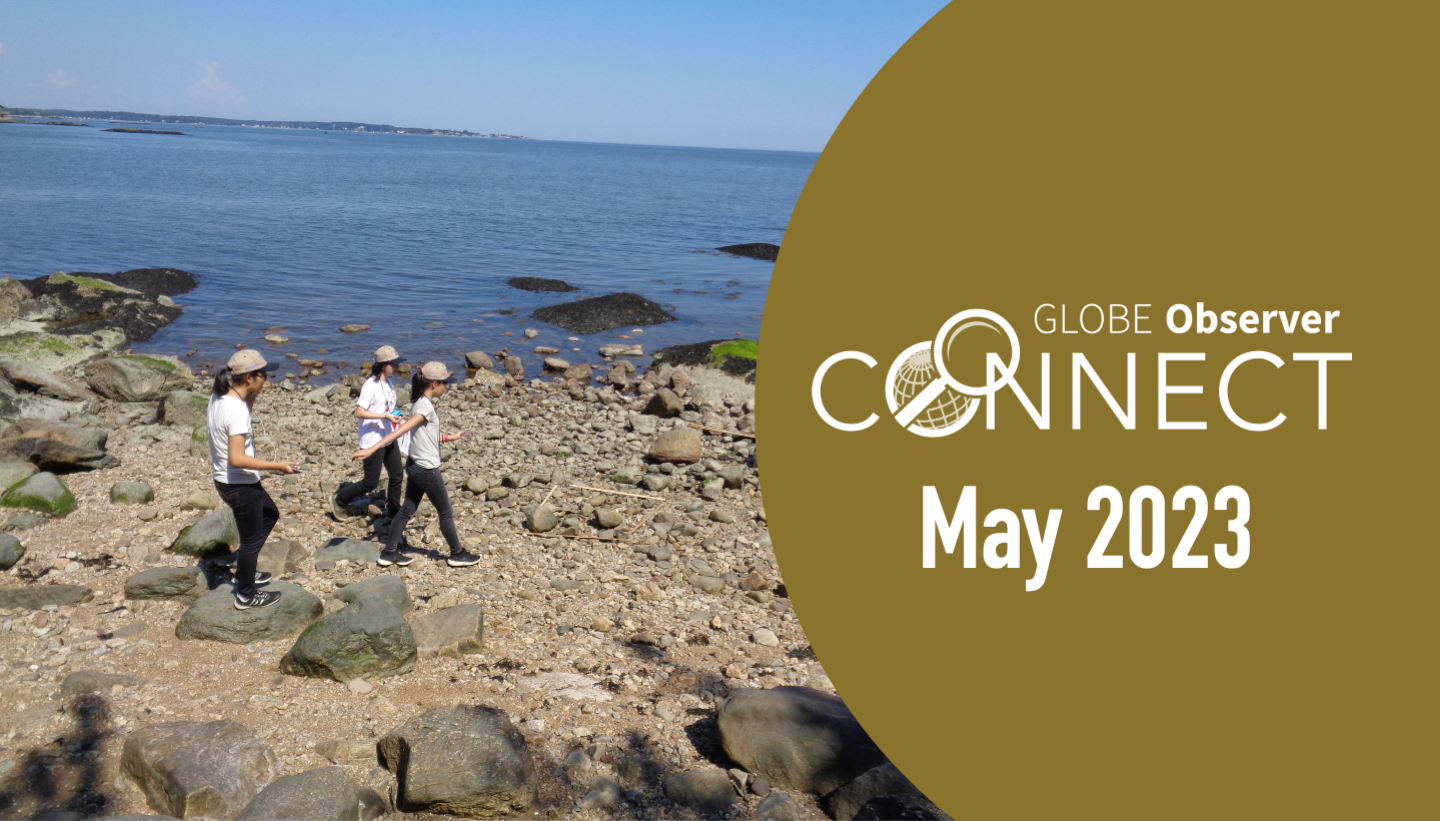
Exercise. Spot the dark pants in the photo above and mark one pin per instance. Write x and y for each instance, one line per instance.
(423, 483)
(255, 516)
(389, 458)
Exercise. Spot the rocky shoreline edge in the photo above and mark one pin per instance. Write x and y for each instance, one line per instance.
(625, 648)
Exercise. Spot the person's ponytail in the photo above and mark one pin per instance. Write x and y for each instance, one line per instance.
(418, 384)
(224, 380)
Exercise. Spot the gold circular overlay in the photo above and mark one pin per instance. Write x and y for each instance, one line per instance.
(1249, 156)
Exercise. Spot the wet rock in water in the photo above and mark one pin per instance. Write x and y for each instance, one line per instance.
(878, 782)
(613, 350)
(777, 807)
(555, 363)
(665, 404)
(354, 550)
(14, 472)
(479, 360)
(84, 682)
(185, 408)
(166, 584)
(580, 373)
(514, 368)
(709, 792)
(755, 250)
(212, 534)
(11, 551)
(326, 794)
(128, 303)
(354, 328)
(466, 760)
(540, 284)
(131, 493)
(603, 313)
(368, 639)
(37, 596)
(137, 378)
(281, 557)
(213, 616)
(34, 378)
(43, 492)
(198, 769)
(487, 379)
(678, 445)
(900, 808)
(56, 446)
(385, 587)
(454, 631)
(796, 737)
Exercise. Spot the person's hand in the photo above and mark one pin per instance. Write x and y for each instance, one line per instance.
(361, 455)
(287, 468)
(461, 436)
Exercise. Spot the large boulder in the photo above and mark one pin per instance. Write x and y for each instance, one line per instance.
(469, 761)
(11, 551)
(212, 534)
(540, 284)
(326, 794)
(767, 251)
(35, 378)
(352, 550)
(603, 313)
(131, 493)
(386, 587)
(137, 378)
(213, 616)
(13, 472)
(796, 737)
(479, 360)
(167, 584)
(884, 780)
(900, 808)
(453, 631)
(37, 596)
(679, 445)
(56, 446)
(43, 492)
(281, 557)
(368, 639)
(185, 408)
(193, 769)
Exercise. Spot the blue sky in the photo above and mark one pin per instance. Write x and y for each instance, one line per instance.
(774, 75)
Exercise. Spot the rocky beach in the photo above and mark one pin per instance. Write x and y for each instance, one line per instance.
(625, 648)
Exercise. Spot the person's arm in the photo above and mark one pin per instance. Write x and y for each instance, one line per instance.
(244, 461)
(362, 405)
(415, 421)
(456, 437)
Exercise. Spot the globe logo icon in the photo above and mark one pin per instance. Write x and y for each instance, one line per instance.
(916, 372)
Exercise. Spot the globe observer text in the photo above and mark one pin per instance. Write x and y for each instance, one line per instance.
(1117, 318)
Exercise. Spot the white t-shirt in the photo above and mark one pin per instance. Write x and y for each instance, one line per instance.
(376, 396)
(228, 415)
(425, 447)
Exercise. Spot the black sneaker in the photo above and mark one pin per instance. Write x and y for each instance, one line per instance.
(261, 577)
(462, 558)
(262, 598)
(389, 557)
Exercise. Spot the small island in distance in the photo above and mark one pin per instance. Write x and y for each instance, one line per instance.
(176, 119)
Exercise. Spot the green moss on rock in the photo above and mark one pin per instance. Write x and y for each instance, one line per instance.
(43, 492)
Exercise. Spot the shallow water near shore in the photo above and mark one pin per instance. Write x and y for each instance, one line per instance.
(415, 236)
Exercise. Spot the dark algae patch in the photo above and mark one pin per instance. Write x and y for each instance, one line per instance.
(540, 284)
(737, 357)
(755, 250)
(604, 313)
(145, 131)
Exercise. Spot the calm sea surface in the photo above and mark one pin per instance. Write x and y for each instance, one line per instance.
(414, 236)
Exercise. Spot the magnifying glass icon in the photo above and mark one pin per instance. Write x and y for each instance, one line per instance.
(944, 351)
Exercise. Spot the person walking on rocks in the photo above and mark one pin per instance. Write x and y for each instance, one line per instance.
(379, 414)
(236, 471)
(422, 470)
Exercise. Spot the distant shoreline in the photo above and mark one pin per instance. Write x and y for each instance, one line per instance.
(131, 117)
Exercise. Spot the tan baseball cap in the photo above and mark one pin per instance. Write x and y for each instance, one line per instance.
(437, 372)
(248, 360)
(386, 355)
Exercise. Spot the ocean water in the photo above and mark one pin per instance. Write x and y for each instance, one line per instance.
(415, 236)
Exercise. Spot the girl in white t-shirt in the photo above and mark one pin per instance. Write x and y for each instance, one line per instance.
(379, 414)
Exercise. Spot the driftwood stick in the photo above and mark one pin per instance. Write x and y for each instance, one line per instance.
(548, 495)
(745, 434)
(618, 493)
(568, 536)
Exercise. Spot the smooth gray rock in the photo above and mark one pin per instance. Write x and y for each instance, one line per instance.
(777, 807)
(167, 583)
(665, 404)
(679, 445)
(185, 409)
(29, 377)
(900, 808)
(43, 492)
(454, 631)
(602, 793)
(543, 519)
(326, 794)
(54, 445)
(467, 760)
(11, 551)
(608, 517)
(281, 557)
(385, 587)
(137, 378)
(36, 596)
(213, 616)
(131, 493)
(709, 792)
(84, 682)
(878, 782)
(796, 737)
(25, 520)
(189, 768)
(215, 533)
(479, 360)
(14, 472)
(368, 639)
(353, 550)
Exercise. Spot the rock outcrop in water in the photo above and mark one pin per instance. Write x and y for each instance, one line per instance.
(604, 313)
(755, 250)
(540, 284)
